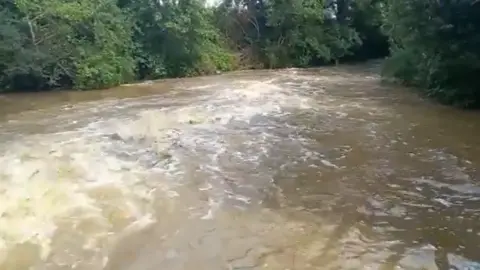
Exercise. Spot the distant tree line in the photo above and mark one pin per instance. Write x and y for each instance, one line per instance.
(87, 44)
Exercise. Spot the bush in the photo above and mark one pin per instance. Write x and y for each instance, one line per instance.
(436, 47)
(103, 70)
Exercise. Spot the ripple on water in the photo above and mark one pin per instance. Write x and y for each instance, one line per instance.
(69, 197)
(182, 181)
(52, 191)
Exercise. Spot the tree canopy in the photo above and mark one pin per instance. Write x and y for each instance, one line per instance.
(436, 47)
(85, 44)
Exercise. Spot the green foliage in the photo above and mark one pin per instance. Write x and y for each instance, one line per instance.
(299, 35)
(436, 46)
(29, 52)
(286, 33)
(214, 58)
(59, 43)
(176, 38)
(104, 54)
(85, 44)
(367, 17)
(103, 69)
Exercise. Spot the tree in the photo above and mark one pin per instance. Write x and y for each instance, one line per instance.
(436, 46)
(28, 61)
(82, 44)
(288, 33)
(176, 38)
(367, 17)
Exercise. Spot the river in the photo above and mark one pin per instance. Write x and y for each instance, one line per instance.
(291, 169)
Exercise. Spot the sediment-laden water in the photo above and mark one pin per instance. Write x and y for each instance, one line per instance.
(290, 169)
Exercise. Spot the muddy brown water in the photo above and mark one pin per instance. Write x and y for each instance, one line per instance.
(290, 169)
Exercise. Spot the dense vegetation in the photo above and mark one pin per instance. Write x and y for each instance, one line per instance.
(436, 47)
(84, 44)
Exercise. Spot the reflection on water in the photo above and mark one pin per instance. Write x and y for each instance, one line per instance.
(290, 169)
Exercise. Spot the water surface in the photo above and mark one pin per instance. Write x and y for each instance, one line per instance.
(291, 169)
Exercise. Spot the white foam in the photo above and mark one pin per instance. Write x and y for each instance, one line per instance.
(202, 87)
(329, 164)
(58, 177)
(40, 189)
(213, 207)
